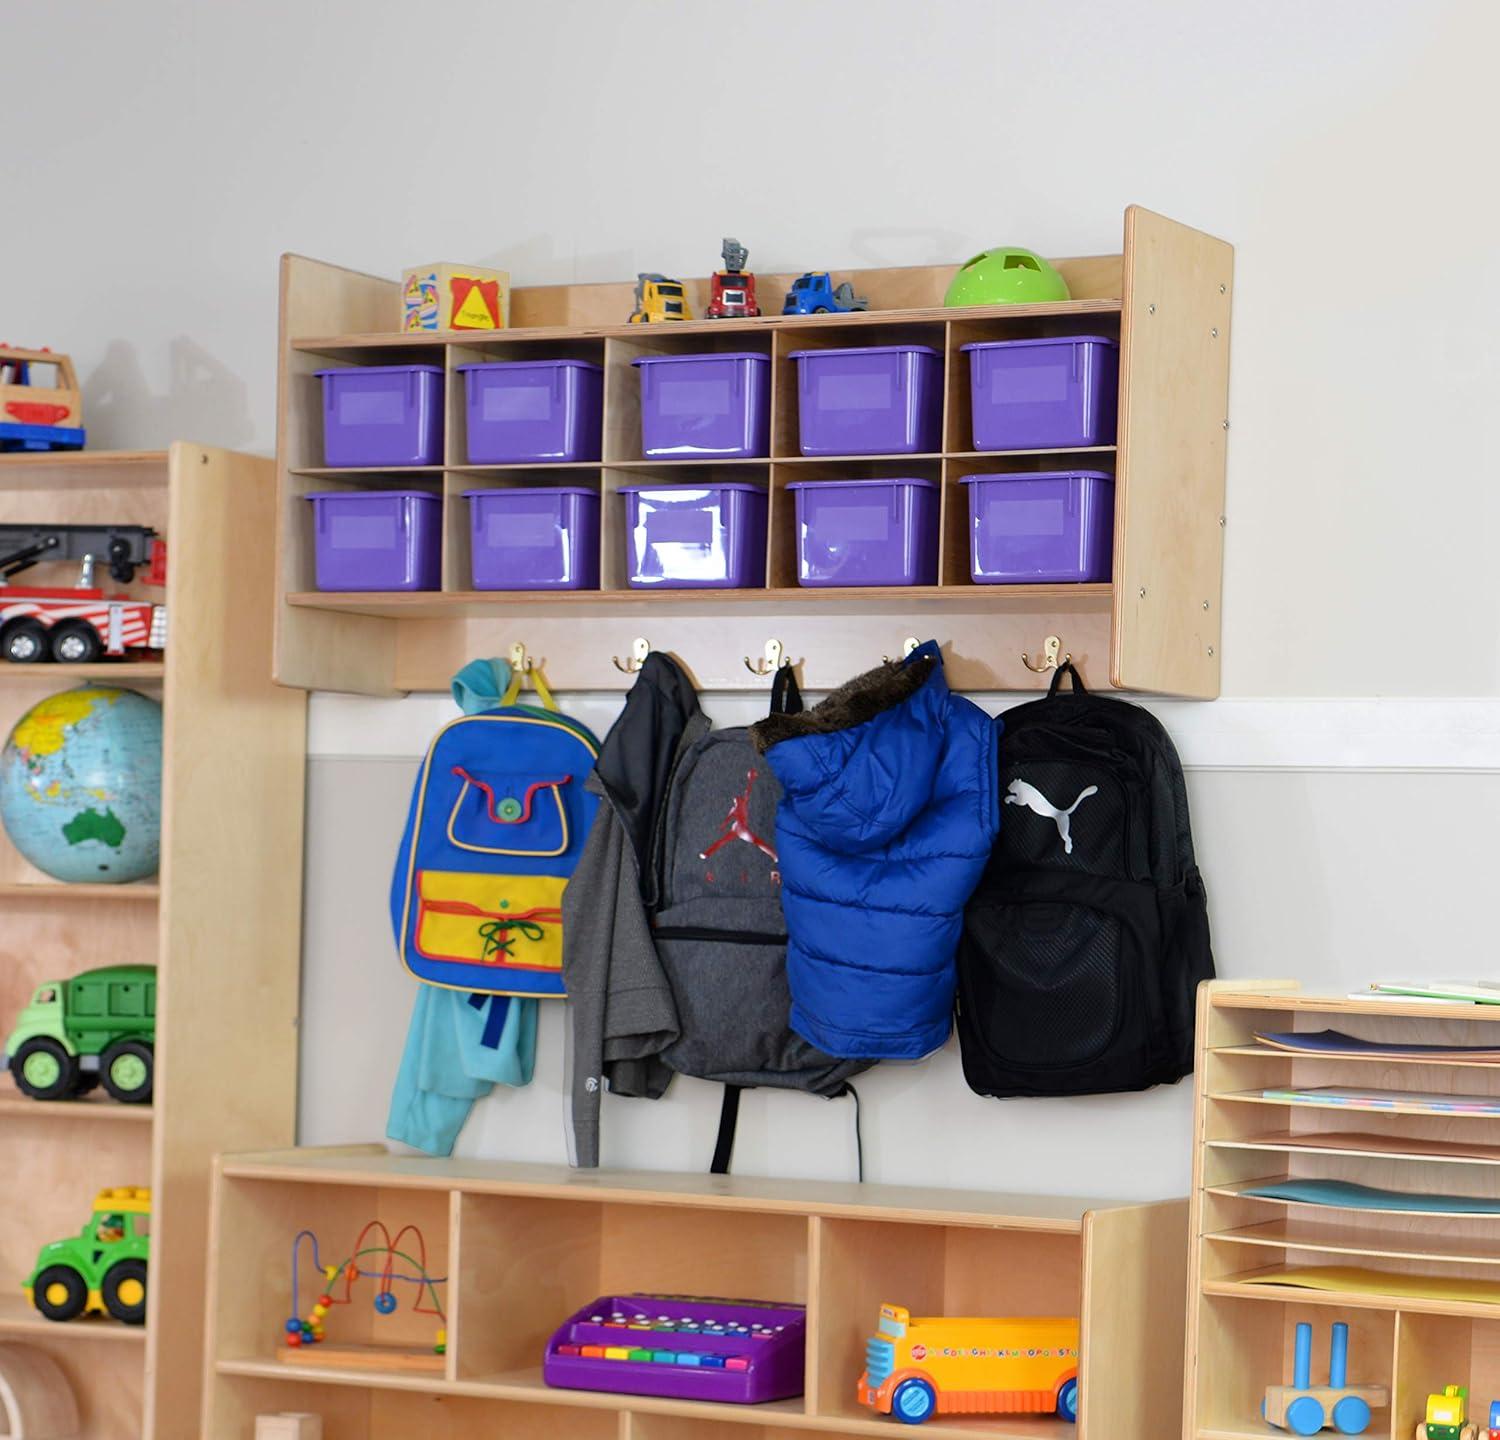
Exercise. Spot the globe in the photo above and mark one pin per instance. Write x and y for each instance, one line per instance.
(80, 785)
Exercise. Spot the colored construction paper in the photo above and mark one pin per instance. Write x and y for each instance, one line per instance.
(1358, 1280)
(1349, 1196)
(1335, 1042)
(1423, 1102)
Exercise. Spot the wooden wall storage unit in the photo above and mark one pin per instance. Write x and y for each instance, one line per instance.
(221, 924)
(1166, 297)
(525, 1245)
(1240, 1333)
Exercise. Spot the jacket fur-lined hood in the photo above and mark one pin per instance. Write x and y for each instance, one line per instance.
(854, 703)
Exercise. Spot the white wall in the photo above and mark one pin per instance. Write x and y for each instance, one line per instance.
(161, 155)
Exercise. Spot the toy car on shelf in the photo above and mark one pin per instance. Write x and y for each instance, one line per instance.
(732, 289)
(97, 1027)
(1305, 1408)
(102, 1269)
(1492, 1431)
(79, 624)
(34, 416)
(916, 1368)
(659, 297)
(1448, 1416)
(816, 294)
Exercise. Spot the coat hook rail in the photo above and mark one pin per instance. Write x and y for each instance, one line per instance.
(769, 662)
(1052, 657)
(640, 647)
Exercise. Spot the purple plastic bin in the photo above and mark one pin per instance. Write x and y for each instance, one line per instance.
(534, 538)
(520, 411)
(1055, 525)
(378, 539)
(696, 406)
(866, 532)
(1044, 394)
(875, 400)
(383, 415)
(703, 537)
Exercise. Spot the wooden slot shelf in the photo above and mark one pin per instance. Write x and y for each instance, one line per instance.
(1239, 1332)
(1154, 627)
(524, 1245)
(19, 1318)
(140, 1382)
(1254, 1097)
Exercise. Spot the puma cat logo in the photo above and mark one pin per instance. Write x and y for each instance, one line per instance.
(1022, 793)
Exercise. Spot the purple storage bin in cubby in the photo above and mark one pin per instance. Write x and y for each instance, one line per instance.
(378, 539)
(522, 411)
(534, 538)
(697, 406)
(1052, 526)
(708, 537)
(1044, 394)
(377, 415)
(874, 400)
(866, 532)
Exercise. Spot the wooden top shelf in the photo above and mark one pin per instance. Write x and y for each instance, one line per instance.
(82, 459)
(1294, 1000)
(122, 671)
(374, 1165)
(854, 319)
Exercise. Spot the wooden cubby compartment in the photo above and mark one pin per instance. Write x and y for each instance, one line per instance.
(1154, 627)
(524, 1246)
(1240, 1331)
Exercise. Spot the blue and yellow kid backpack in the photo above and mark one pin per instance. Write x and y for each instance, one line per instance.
(498, 820)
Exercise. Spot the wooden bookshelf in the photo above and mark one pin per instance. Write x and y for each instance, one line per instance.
(1240, 1329)
(1166, 297)
(221, 923)
(525, 1245)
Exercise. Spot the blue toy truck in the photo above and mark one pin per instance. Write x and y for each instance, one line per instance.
(816, 294)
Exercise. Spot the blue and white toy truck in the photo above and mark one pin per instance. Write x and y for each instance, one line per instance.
(816, 294)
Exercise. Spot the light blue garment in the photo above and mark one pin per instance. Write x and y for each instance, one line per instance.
(458, 1046)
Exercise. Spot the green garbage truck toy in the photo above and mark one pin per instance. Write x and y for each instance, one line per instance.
(102, 1269)
(99, 1027)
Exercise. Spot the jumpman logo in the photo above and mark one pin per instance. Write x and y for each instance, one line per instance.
(1022, 793)
(737, 825)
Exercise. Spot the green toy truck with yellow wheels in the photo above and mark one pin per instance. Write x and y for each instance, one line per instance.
(97, 1028)
(102, 1269)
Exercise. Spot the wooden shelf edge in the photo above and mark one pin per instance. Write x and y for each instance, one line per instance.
(18, 1318)
(108, 1112)
(1348, 1299)
(145, 893)
(758, 324)
(1262, 1052)
(82, 459)
(1254, 1097)
(1343, 1005)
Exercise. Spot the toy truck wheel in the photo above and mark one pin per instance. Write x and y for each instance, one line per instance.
(123, 1291)
(1351, 1415)
(60, 1293)
(1067, 1401)
(75, 642)
(127, 1069)
(44, 1070)
(1304, 1416)
(913, 1401)
(24, 642)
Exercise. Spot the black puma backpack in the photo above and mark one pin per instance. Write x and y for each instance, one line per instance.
(1086, 940)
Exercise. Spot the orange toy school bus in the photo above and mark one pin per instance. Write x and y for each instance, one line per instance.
(945, 1366)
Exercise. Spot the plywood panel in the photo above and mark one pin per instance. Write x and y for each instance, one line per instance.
(1169, 491)
(231, 876)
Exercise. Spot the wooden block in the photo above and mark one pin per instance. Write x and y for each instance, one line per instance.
(363, 1357)
(454, 297)
(289, 1425)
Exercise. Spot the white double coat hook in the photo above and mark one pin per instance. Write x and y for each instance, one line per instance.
(770, 661)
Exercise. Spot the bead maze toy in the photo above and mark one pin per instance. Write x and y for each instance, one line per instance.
(681, 1346)
(378, 1257)
(1305, 1409)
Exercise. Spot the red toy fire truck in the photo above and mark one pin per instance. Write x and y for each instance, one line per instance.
(79, 624)
(732, 291)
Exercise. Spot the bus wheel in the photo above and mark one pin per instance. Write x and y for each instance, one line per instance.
(44, 1070)
(1067, 1401)
(60, 1293)
(913, 1401)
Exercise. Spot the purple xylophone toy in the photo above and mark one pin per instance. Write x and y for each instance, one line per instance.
(682, 1346)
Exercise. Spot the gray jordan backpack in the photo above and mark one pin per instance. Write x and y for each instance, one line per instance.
(719, 930)
(1086, 940)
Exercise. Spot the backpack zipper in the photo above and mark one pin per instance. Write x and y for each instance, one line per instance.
(726, 937)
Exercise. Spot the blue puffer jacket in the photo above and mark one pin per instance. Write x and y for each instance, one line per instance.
(888, 814)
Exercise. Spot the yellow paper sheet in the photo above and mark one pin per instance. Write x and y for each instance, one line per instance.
(1359, 1281)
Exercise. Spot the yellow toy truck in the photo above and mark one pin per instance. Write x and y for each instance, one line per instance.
(659, 297)
(917, 1368)
(1447, 1416)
